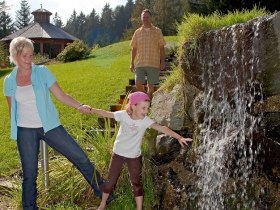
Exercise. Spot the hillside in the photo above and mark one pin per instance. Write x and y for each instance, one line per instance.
(97, 81)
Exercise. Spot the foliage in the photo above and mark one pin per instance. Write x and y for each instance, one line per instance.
(103, 30)
(118, 24)
(4, 58)
(57, 20)
(82, 80)
(75, 51)
(167, 13)
(40, 59)
(172, 80)
(23, 16)
(140, 5)
(6, 25)
(193, 24)
(93, 28)
(74, 192)
(225, 6)
(98, 90)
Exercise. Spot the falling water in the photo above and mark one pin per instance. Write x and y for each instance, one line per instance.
(226, 157)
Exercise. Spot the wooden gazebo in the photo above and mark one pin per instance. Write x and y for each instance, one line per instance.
(48, 39)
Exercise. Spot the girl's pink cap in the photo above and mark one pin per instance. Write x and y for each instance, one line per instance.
(137, 97)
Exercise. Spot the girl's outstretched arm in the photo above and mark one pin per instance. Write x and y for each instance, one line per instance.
(102, 113)
(163, 129)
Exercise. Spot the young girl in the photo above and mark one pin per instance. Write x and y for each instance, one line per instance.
(127, 147)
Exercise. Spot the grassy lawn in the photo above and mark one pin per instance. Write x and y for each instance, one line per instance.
(97, 81)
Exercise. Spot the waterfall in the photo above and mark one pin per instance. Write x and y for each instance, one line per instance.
(225, 156)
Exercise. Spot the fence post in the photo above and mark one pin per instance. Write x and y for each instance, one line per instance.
(45, 162)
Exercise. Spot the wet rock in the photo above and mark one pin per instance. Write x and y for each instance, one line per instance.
(231, 91)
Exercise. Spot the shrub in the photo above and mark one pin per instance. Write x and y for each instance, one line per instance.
(40, 59)
(193, 25)
(4, 59)
(75, 51)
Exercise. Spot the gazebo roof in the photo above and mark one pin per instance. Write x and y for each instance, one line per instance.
(41, 30)
(41, 10)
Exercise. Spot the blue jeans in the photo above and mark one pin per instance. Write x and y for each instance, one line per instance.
(28, 142)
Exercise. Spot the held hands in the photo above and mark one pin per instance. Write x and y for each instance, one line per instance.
(184, 141)
(85, 109)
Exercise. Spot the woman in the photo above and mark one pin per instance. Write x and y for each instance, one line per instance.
(34, 117)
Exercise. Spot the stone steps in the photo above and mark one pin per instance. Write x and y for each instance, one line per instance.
(120, 103)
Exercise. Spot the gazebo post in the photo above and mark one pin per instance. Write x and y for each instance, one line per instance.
(45, 162)
(41, 48)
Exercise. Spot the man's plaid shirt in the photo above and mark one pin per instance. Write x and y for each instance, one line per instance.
(147, 41)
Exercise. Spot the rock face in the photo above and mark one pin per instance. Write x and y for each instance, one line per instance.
(232, 107)
(169, 109)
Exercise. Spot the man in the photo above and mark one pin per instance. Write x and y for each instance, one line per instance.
(147, 56)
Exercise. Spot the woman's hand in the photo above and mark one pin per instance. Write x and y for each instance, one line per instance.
(85, 109)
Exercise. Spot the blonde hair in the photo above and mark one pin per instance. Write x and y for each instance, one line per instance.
(17, 45)
(146, 10)
(128, 108)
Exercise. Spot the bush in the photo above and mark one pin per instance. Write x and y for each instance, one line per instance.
(4, 58)
(40, 59)
(75, 51)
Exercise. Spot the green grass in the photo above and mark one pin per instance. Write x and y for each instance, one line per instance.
(97, 81)
(194, 24)
(9, 162)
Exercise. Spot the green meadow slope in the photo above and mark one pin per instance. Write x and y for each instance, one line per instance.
(97, 81)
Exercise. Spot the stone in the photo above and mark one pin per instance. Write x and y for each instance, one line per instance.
(168, 108)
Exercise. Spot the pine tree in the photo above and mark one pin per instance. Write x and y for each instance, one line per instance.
(71, 25)
(81, 26)
(106, 23)
(57, 21)
(140, 5)
(6, 25)
(23, 17)
(128, 12)
(120, 19)
(165, 15)
(3, 7)
(93, 27)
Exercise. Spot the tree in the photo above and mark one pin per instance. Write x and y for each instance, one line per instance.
(6, 25)
(57, 20)
(224, 6)
(81, 26)
(165, 15)
(71, 25)
(120, 21)
(76, 25)
(129, 7)
(3, 7)
(92, 27)
(107, 16)
(140, 5)
(200, 6)
(23, 16)
(106, 23)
